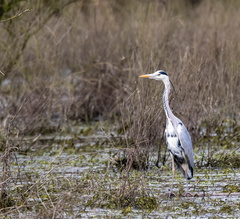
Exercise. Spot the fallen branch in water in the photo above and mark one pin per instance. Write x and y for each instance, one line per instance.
(203, 194)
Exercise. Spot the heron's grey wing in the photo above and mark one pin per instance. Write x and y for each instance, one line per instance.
(186, 141)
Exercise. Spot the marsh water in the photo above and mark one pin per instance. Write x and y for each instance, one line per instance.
(76, 176)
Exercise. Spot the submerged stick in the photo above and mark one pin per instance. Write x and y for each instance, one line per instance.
(205, 194)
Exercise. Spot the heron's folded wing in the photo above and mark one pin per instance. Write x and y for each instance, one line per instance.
(186, 141)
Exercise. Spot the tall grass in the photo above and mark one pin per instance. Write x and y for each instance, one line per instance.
(84, 60)
(80, 60)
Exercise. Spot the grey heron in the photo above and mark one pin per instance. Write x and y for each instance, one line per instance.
(178, 139)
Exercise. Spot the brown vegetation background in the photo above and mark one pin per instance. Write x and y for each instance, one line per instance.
(80, 60)
(70, 62)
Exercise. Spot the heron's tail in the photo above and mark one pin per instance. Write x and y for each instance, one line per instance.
(187, 171)
(184, 166)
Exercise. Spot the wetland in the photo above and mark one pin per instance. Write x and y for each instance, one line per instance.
(76, 175)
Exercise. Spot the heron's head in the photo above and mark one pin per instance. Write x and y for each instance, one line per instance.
(158, 75)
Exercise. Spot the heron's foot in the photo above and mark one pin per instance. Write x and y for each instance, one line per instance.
(188, 194)
(170, 195)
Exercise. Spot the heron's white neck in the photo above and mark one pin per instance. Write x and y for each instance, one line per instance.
(166, 106)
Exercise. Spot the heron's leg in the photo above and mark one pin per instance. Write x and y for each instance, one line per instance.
(173, 172)
(186, 185)
(187, 193)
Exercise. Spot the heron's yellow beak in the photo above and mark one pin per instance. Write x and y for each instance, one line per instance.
(144, 76)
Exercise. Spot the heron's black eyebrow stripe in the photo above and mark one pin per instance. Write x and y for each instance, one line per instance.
(163, 73)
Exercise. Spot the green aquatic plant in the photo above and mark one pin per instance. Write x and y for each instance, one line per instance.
(148, 203)
(231, 188)
(226, 159)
